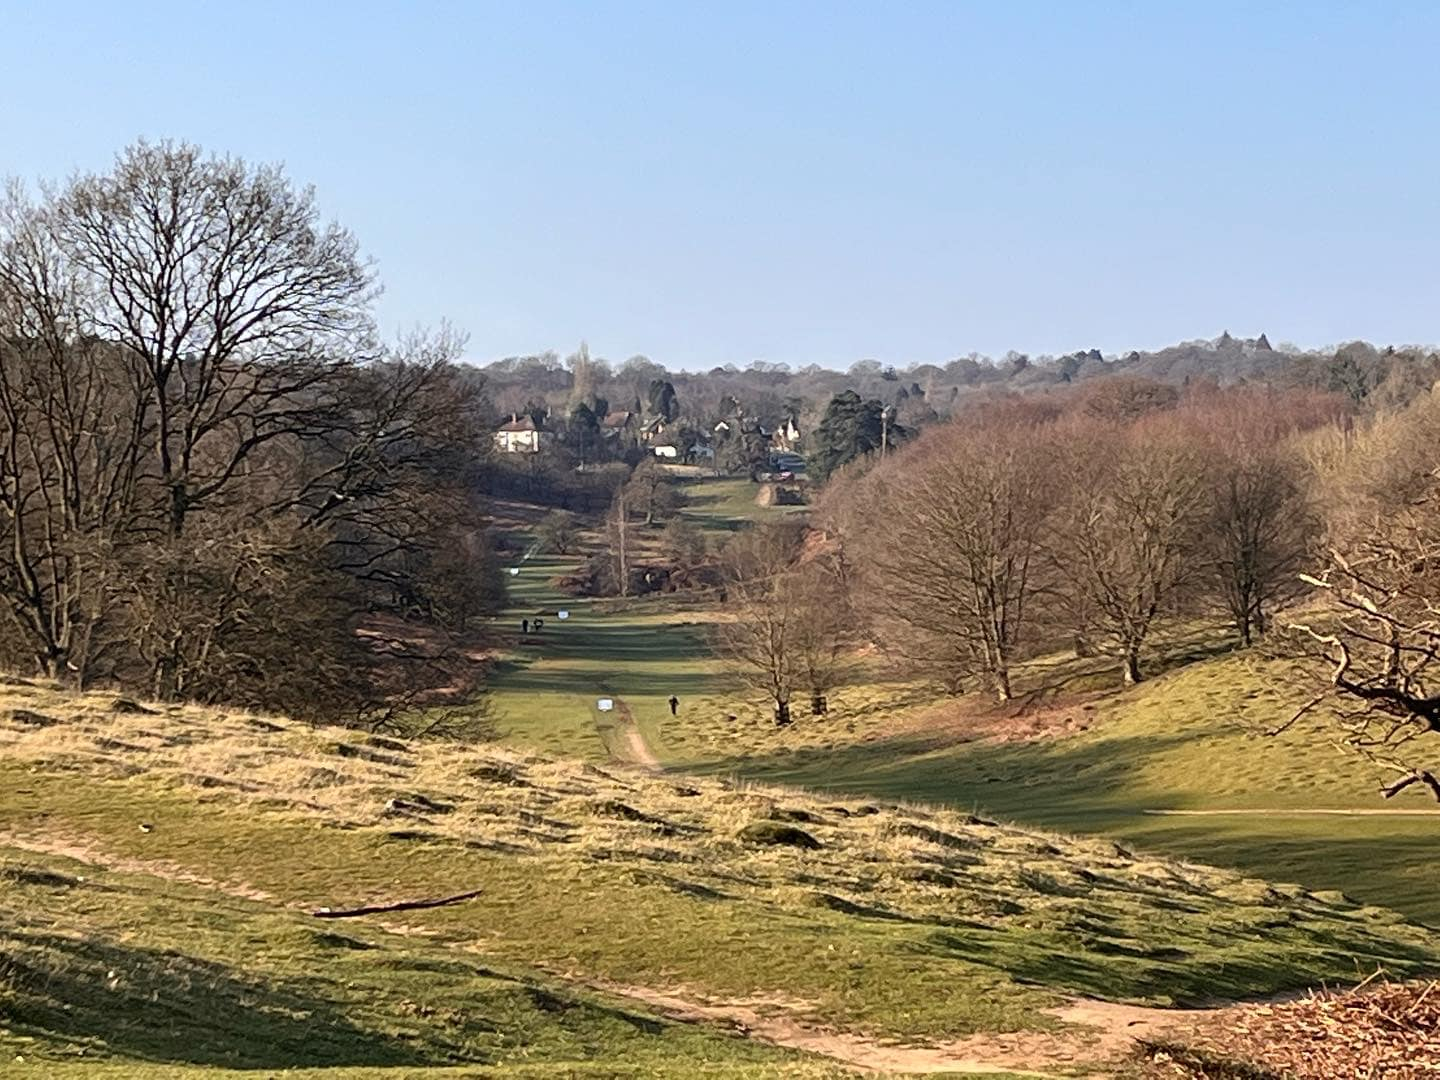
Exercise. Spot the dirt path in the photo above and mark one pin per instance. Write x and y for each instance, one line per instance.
(1101, 1034)
(626, 743)
(84, 851)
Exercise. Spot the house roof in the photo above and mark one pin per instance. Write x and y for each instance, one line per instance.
(616, 419)
(522, 423)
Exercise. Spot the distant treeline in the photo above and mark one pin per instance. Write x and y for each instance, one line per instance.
(1369, 376)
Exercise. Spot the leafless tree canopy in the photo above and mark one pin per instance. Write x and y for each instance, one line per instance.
(1132, 519)
(1375, 634)
(761, 635)
(948, 539)
(208, 468)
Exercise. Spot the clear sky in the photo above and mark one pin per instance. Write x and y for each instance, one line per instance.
(725, 182)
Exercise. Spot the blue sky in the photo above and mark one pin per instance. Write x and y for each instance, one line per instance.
(810, 183)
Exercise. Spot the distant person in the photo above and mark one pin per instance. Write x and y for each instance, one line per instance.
(524, 626)
(674, 704)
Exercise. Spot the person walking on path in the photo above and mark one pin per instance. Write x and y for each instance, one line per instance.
(524, 626)
(674, 704)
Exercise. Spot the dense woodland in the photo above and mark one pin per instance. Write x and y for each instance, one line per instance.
(216, 483)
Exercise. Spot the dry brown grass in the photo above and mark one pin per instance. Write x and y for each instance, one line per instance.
(884, 860)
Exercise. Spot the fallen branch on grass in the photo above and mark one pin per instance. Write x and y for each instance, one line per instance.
(403, 905)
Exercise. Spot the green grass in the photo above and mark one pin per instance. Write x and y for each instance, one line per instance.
(903, 923)
(143, 973)
(1185, 741)
(723, 506)
(544, 691)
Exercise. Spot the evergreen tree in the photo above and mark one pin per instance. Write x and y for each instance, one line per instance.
(851, 427)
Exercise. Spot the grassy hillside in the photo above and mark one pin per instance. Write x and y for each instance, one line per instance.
(1174, 764)
(159, 866)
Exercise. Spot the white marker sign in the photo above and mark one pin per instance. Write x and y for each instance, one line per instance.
(562, 614)
(605, 704)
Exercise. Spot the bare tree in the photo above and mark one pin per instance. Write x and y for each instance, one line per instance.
(558, 531)
(235, 301)
(1137, 499)
(619, 540)
(949, 551)
(207, 470)
(1260, 527)
(825, 630)
(1375, 639)
(71, 448)
(652, 492)
(761, 632)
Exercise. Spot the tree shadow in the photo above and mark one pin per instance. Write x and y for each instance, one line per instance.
(165, 1006)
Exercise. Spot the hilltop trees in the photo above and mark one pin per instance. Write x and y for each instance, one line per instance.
(207, 466)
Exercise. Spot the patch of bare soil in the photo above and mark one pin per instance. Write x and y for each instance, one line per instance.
(965, 720)
(626, 743)
(1098, 1036)
(1386, 1032)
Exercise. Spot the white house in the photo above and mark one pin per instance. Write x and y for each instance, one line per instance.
(786, 436)
(520, 436)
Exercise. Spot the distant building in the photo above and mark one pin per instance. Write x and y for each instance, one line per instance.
(787, 436)
(667, 450)
(654, 430)
(614, 424)
(521, 435)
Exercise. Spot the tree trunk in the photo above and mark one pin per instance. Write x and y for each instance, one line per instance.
(818, 704)
(1131, 671)
(1002, 683)
(782, 714)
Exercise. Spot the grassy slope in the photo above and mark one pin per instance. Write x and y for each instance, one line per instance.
(1183, 741)
(905, 923)
(140, 973)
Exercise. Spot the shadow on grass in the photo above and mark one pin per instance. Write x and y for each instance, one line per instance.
(1091, 787)
(165, 1006)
